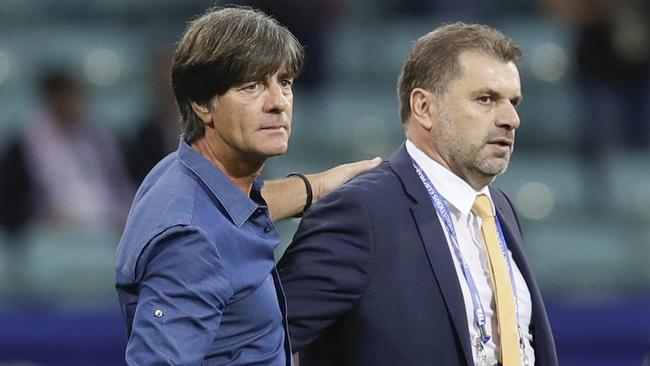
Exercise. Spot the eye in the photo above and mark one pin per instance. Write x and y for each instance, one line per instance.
(286, 83)
(251, 86)
(484, 99)
(515, 102)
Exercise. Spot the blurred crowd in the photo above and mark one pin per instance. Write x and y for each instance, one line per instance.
(66, 170)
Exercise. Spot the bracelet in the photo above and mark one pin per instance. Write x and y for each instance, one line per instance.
(310, 193)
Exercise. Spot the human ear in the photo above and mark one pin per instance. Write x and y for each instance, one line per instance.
(422, 107)
(203, 112)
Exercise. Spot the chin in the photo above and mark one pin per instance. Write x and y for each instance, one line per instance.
(275, 151)
(494, 167)
(272, 145)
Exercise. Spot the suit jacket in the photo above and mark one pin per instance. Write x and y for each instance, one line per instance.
(370, 281)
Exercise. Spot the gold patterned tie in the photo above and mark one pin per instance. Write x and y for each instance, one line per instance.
(503, 294)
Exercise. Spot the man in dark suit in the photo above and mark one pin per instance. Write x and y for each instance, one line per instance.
(399, 267)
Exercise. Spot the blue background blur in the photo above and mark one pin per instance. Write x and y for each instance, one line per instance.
(580, 177)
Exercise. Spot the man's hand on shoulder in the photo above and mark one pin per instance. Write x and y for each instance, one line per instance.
(327, 181)
(288, 197)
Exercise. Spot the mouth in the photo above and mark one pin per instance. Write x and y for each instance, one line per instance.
(502, 142)
(274, 128)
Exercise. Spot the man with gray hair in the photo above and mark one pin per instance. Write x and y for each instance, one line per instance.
(420, 261)
(195, 270)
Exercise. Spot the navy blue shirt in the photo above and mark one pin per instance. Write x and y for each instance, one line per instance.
(195, 272)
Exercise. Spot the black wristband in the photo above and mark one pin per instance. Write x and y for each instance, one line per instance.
(310, 193)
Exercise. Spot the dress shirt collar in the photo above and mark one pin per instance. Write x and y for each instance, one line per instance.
(456, 191)
(237, 205)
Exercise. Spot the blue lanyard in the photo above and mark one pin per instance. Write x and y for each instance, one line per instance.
(440, 204)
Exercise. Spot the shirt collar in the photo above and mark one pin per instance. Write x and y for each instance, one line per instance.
(237, 205)
(456, 191)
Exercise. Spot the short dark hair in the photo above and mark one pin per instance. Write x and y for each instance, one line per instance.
(225, 47)
(433, 61)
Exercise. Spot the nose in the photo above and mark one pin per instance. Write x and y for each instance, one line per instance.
(278, 98)
(507, 116)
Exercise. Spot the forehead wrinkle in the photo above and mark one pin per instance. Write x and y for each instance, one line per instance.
(501, 77)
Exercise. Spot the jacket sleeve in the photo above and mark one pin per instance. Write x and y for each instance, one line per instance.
(183, 289)
(326, 268)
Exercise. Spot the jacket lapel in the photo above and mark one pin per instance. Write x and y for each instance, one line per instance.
(435, 245)
(512, 233)
(542, 336)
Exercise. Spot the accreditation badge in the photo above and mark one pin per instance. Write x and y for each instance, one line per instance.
(484, 359)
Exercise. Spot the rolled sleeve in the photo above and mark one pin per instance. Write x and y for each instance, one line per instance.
(183, 289)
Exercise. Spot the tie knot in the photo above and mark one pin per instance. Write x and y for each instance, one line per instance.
(482, 206)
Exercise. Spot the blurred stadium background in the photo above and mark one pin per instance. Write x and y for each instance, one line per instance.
(580, 177)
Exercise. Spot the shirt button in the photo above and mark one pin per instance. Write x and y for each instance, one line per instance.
(158, 313)
(267, 229)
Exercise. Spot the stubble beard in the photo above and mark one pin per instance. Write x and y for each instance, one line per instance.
(471, 161)
(491, 165)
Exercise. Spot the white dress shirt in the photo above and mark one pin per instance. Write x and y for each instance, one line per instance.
(460, 198)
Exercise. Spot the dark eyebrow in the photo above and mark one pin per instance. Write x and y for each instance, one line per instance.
(282, 74)
(286, 74)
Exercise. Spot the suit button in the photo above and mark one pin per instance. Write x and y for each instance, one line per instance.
(158, 313)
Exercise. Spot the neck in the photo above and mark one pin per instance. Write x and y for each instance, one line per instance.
(426, 145)
(241, 171)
